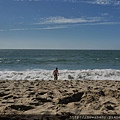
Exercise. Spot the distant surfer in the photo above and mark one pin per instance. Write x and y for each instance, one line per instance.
(55, 73)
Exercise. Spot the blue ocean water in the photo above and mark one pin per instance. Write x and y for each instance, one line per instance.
(72, 64)
(63, 59)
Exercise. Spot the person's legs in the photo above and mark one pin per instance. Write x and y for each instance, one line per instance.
(55, 77)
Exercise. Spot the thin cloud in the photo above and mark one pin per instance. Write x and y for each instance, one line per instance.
(103, 2)
(55, 27)
(19, 29)
(108, 23)
(63, 20)
(37, 28)
(103, 23)
(104, 14)
(2, 30)
(60, 26)
(99, 2)
(58, 22)
(50, 27)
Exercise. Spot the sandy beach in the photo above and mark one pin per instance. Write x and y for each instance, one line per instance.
(59, 97)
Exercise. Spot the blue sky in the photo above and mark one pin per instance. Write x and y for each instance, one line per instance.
(60, 24)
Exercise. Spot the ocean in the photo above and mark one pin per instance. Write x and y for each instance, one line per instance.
(72, 64)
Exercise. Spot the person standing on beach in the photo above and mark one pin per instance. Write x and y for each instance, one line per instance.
(55, 73)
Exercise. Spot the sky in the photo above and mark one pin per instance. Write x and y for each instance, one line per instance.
(60, 24)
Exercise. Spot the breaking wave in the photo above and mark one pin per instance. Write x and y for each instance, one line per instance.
(95, 74)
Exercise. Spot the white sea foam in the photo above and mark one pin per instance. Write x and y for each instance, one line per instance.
(96, 74)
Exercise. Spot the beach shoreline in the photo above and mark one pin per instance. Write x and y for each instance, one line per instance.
(59, 97)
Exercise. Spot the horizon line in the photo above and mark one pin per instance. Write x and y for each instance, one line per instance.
(50, 49)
